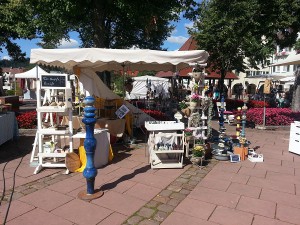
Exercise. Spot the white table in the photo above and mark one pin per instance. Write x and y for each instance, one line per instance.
(102, 148)
(7, 126)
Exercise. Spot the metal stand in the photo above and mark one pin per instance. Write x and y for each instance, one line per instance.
(264, 119)
(221, 119)
(90, 172)
(244, 108)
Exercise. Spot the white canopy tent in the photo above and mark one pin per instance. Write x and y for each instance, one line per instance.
(30, 77)
(86, 61)
(100, 59)
(160, 85)
(31, 73)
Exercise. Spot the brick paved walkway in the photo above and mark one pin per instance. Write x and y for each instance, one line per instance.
(221, 193)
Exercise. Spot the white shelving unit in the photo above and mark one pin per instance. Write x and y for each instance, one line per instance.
(199, 128)
(59, 87)
(165, 145)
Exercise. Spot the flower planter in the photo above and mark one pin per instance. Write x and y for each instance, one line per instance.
(188, 137)
(193, 105)
(197, 160)
(186, 112)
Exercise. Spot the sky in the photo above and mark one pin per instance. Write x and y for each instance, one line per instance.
(173, 43)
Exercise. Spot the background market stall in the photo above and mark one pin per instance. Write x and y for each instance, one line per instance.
(27, 81)
(141, 85)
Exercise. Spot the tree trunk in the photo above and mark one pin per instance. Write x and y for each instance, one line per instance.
(221, 82)
(296, 92)
(100, 32)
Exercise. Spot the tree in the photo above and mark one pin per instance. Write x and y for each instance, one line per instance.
(106, 23)
(235, 30)
(297, 46)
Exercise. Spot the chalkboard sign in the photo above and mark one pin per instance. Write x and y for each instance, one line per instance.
(53, 81)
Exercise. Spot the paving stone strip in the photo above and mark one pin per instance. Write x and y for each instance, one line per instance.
(36, 185)
(160, 207)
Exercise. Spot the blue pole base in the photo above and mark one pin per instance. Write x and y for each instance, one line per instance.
(83, 195)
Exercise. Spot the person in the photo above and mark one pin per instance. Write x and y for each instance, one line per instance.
(281, 100)
(286, 102)
(216, 93)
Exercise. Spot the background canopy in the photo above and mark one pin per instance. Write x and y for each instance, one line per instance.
(33, 73)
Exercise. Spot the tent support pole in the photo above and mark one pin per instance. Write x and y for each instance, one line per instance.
(123, 66)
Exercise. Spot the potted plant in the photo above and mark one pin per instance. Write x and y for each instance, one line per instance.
(194, 97)
(184, 108)
(198, 154)
(182, 105)
(188, 133)
(198, 151)
(199, 142)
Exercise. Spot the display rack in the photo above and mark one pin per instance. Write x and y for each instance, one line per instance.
(165, 144)
(199, 107)
(53, 155)
(197, 122)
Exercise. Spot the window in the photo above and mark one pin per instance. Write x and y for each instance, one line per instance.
(277, 69)
(285, 68)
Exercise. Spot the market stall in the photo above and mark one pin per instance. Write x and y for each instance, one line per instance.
(84, 63)
(27, 81)
(141, 86)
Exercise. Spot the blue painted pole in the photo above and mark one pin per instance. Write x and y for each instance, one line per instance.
(90, 172)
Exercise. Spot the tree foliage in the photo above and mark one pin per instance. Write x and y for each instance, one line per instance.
(99, 23)
(14, 24)
(232, 30)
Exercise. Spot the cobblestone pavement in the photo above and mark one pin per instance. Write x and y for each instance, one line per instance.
(158, 209)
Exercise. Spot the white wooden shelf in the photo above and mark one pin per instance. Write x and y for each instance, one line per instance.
(168, 151)
(165, 164)
(163, 125)
(53, 131)
(60, 84)
(163, 132)
(52, 155)
(52, 109)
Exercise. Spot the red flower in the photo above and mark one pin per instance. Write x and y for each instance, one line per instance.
(157, 115)
(274, 116)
